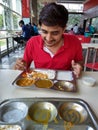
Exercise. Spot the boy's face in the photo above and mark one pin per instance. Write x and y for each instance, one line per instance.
(52, 35)
(20, 24)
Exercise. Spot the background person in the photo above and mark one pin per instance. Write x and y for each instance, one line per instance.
(31, 28)
(71, 31)
(91, 29)
(35, 29)
(24, 35)
(53, 49)
(81, 30)
(75, 29)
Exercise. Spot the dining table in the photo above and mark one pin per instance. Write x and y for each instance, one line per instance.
(89, 45)
(87, 93)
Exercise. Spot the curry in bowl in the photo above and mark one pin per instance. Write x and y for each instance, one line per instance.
(25, 82)
(44, 83)
(42, 112)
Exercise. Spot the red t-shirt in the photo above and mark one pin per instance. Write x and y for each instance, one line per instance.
(71, 50)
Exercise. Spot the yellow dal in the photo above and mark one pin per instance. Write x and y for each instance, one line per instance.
(43, 83)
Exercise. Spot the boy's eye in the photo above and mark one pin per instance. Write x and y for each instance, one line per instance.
(53, 33)
(43, 31)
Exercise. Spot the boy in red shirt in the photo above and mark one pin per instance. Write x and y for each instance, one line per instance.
(53, 49)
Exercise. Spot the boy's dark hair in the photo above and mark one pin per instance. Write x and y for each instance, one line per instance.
(21, 22)
(53, 14)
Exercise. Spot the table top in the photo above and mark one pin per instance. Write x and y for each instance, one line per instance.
(86, 45)
(5, 37)
(8, 91)
(95, 34)
(9, 36)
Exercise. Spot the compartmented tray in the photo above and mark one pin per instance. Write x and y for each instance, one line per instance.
(47, 114)
(46, 78)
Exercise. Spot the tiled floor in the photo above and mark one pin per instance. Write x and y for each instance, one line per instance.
(8, 62)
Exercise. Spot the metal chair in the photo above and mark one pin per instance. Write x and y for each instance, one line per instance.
(91, 59)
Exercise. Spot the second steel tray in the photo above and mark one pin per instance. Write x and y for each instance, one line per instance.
(48, 114)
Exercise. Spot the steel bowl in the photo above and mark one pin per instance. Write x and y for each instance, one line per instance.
(44, 83)
(64, 86)
(13, 112)
(88, 81)
(73, 112)
(42, 112)
(25, 82)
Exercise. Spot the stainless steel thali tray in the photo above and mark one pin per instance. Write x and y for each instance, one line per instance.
(49, 114)
(46, 78)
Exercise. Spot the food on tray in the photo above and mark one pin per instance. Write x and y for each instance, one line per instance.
(24, 74)
(42, 112)
(64, 85)
(23, 82)
(39, 74)
(44, 83)
(68, 125)
(47, 114)
(50, 73)
(35, 75)
(68, 116)
(73, 112)
(10, 127)
(46, 78)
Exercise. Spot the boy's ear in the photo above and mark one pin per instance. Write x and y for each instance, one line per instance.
(64, 29)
